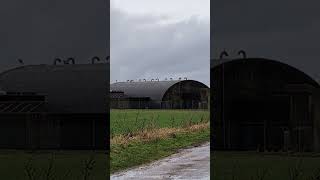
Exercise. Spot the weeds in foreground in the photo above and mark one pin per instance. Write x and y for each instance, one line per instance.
(147, 128)
(234, 174)
(295, 172)
(261, 174)
(88, 167)
(49, 175)
(30, 170)
(50, 172)
(156, 133)
(128, 123)
(315, 176)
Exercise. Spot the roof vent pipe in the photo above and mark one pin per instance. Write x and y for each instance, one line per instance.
(21, 61)
(243, 53)
(65, 62)
(57, 60)
(223, 53)
(95, 58)
(71, 59)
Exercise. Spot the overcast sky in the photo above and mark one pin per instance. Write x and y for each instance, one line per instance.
(37, 31)
(286, 30)
(160, 39)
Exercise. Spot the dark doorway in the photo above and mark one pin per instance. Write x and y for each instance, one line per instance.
(257, 122)
(191, 100)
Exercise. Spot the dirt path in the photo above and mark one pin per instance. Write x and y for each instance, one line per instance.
(193, 163)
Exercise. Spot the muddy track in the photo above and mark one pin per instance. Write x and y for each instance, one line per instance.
(192, 163)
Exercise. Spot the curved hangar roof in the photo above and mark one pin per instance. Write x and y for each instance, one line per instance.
(217, 62)
(70, 88)
(153, 89)
(2, 92)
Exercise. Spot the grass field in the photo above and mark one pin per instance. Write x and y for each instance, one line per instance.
(126, 121)
(252, 166)
(142, 136)
(138, 137)
(58, 165)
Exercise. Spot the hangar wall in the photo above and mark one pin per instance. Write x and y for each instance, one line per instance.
(53, 131)
(74, 107)
(172, 94)
(264, 104)
(70, 88)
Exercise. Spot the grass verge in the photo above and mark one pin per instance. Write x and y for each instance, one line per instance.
(263, 166)
(126, 121)
(54, 165)
(139, 152)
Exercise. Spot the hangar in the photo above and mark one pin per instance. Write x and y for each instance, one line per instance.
(172, 94)
(264, 104)
(54, 107)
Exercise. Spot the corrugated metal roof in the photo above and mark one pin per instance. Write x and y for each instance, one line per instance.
(216, 62)
(117, 95)
(153, 89)
(71, 88)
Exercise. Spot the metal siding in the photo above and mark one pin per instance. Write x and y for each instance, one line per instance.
(216, 62)
(79, 88)
(153, 89)
(54, 131)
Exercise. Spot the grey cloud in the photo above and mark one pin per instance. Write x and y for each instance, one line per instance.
(261, 16)
(37, 31)
(282, 30)
(142, 47)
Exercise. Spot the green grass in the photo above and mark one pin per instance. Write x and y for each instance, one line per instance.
(252, 165)
(126, 122)
(68, 165)
(134, 154)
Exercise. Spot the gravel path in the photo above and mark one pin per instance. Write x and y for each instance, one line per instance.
(192, 163)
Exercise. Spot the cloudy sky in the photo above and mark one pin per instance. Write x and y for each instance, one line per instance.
(160, 39)
(286, 30)
(37, 31)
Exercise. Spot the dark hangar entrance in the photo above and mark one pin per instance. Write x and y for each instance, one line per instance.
(260, 104)
(186, 94)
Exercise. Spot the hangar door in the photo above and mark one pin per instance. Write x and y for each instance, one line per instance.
(257, 123)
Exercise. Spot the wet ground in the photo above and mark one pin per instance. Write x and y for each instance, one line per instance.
(192, 163)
